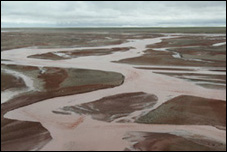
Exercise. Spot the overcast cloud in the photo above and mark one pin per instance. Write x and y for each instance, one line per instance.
(111, 14)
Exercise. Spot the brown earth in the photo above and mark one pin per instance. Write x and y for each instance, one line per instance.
(174, 69)
(9, 81)
(210, 54)
(188, 110)
(78, 53)
(64, 38)
(188, 41)
(49, 56)
(204, 80)
(72, 80)
(22, 136)
(209, 76)
(168, 142)
(152, 57)
(189, 48)
(53, 77)
(116, 106)
(53, 39)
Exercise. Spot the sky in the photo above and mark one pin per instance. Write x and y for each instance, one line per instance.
(112, 13)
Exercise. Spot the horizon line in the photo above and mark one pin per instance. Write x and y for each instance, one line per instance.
(124, 27)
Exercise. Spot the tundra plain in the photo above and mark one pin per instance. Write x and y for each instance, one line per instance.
(144, 89)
